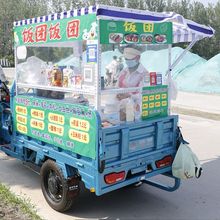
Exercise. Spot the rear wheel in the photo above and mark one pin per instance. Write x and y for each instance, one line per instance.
(59, 192)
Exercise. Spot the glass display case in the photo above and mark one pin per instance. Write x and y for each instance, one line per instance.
(106, 65)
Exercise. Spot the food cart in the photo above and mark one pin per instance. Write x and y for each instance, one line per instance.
(64, 114)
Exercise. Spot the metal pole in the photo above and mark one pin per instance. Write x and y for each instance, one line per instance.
(181, 56)
(172, 65)
(169, 76)
(98, 74)
(15, 74)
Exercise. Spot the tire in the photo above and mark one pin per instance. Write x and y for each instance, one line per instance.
(59, 192)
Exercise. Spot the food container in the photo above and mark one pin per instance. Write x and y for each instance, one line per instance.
(67, 72)
(110, 106)
(76, 80)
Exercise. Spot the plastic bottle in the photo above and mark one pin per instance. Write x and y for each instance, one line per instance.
(130, 110)
(67, 73)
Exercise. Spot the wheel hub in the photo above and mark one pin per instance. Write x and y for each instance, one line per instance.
(53, 185)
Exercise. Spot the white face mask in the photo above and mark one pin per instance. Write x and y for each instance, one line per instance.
(131, 63)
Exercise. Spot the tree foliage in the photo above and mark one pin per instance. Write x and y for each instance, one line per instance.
(12, 10)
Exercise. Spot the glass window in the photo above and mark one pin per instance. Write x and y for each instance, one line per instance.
(52, 65)
(57, 71)
(132, 58)
(126, 69)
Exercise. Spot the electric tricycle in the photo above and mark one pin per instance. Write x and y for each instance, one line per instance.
(90, 101)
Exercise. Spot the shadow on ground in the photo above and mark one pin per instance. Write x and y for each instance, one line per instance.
(195, 199)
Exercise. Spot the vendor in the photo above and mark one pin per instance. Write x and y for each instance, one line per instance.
(132, 75)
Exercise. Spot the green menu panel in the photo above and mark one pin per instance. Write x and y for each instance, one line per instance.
(154, 102)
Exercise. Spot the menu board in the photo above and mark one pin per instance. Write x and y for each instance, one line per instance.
(124, 32)
(154, 102)
(68, 126)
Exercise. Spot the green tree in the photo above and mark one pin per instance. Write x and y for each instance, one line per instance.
(155, 5)
(136, 4)
(204, 15)
(14, 10)
(181, 7)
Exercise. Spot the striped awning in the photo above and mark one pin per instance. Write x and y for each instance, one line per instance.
(184, 30)
(57, 16)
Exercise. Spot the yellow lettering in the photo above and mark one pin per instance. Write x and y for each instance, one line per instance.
(21, 119)
(56, 118)
(157, 104)
(145, 113)
(145, 98)
(37, 124)
(151, 98)
(39, 114)
(55, 129)
(157, 97)
(151, 105)
(164, 96)
(164, 103)
(22, 128)
(79, 136)
(130, 27)
(145, 106)
(21, 110)
(148, 27)
(79, 124)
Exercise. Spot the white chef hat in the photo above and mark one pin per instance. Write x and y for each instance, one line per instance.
(131, 53)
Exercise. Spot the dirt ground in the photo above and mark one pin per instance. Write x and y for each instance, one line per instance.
(12, 212)
(11, 206)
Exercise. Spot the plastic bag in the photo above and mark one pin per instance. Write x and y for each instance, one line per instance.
(186, 164)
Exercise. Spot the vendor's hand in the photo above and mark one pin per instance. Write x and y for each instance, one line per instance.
(122, 96)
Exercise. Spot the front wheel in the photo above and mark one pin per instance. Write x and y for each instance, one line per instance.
(59, 192)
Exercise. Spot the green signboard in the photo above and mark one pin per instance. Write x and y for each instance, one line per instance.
(124, 32)
(68, 126)
(68, 29)
(154, 102)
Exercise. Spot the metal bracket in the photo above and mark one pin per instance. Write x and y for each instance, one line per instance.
(179, 58)
(162, 186)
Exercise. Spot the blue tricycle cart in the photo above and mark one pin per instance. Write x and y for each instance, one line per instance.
(64, 116)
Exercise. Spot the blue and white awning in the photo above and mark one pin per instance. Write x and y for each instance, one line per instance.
(184, 30)
(57, 16)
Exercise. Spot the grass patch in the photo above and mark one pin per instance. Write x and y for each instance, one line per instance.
(12, 205)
